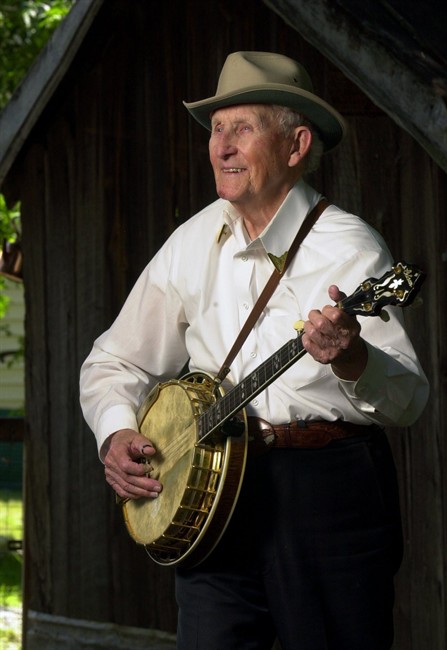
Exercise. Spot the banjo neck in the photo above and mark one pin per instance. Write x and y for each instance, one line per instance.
(238, 397)
(398, 286)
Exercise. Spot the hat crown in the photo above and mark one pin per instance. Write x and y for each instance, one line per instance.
(249, 69)
(275, 79)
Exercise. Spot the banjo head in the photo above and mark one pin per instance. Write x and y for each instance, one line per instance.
(201, 478)
(166, 418)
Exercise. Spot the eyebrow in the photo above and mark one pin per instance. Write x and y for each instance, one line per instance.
(258, 121)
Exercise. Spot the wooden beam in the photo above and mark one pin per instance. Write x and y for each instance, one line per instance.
(417, 107)
(47, 632)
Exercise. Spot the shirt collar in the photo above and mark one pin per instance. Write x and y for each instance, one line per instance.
(278, 235)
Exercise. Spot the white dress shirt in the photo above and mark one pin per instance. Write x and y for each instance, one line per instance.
(194, 296)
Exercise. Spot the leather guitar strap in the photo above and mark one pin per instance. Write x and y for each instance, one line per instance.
(269, 288)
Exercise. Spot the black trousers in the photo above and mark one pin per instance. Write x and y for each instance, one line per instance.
(309, 555)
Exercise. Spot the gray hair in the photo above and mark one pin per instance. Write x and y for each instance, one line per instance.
(288, 119)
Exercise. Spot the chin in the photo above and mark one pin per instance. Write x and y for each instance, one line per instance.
(228, 193)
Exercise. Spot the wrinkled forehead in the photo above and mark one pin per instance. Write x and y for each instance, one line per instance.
(242, 112)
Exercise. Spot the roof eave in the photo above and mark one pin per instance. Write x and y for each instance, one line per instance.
(32, 96)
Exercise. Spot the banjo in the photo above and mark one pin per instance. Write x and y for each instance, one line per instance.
(200, 434)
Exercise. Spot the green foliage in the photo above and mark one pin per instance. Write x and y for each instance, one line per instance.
(11, 528)
(9, 220)
(25, 27)
(9, 231)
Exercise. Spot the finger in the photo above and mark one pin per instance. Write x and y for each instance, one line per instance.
(125, 458)
(147, 449)
(335, 294)
(140, 446)
(130, 486)
(320, 323)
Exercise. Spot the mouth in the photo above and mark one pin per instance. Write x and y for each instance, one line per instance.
(233, 170)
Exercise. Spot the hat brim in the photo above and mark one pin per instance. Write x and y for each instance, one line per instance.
(329, 123)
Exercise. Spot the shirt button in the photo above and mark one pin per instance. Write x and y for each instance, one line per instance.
(246, 305)
(245, 258)
(253, 355)
(255, 402)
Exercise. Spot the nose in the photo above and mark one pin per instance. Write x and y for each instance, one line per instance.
(225, 145)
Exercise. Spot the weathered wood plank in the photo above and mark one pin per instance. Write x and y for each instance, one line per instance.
(45, 632)
(381, 76)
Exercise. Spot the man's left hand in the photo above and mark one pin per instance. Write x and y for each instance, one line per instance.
(333, 336)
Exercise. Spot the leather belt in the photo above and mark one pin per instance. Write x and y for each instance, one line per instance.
(307, 435)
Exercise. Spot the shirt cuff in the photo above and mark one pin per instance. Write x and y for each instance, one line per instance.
(376, 369)
(369, 394)
(114, 419)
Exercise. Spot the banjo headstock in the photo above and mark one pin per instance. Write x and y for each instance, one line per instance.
(399, 286)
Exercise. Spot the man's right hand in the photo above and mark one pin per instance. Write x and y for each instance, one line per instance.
(122, 453)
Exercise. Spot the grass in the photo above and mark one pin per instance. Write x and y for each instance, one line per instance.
(10, 580)
(10, 638)
(11, 528)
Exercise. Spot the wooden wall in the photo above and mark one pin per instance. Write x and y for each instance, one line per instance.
(112, 167)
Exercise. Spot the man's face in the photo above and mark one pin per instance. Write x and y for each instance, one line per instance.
(250, 158)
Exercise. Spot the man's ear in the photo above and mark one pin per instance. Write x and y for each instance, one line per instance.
(301, 145)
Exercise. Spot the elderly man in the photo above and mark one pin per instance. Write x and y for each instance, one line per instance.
(311, 549)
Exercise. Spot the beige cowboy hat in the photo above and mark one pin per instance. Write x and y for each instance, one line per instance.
(268, 78)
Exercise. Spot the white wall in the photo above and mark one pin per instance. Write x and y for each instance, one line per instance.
(12, 393)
